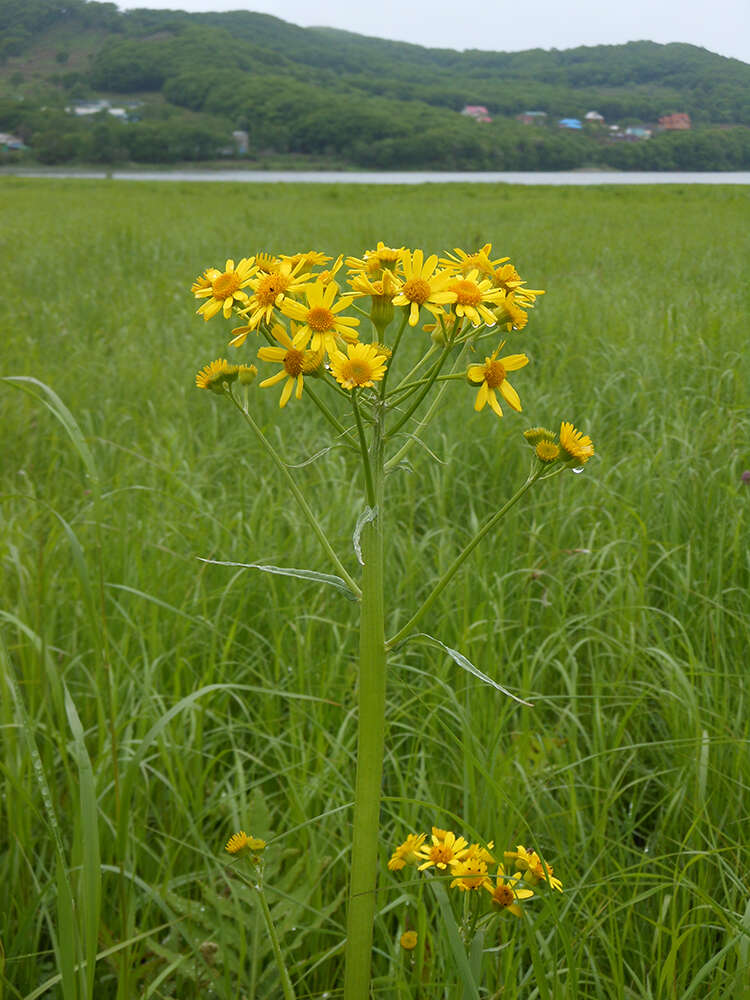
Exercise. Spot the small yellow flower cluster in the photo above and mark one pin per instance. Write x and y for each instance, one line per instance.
(470, 865)
(239, 843)
(569, 446)
(296, 303)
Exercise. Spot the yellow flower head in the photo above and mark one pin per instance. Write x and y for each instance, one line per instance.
(319, 319)
(223, 288)
(374, 262)
(362, 365)
(381, 292)
(295, 362)
(444, 851)
(409, 940)
(406, 853)
(536, 434)
(510, 314)
(307, 260)
(239, 842)
(576, 445)
(216, 375)
(461, 262)
(246, 374)
(536, 870)
(473, 298)
(506, 892)
(492, 375)
(270, 291)
(421, 286)
(471, 873)
(547, 451)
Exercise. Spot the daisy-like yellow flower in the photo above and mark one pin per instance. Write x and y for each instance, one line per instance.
(535, 869)
(473, 298)
(577, 445)
(295, 362)
(444, 851)
(216, 375)
(320, 319)
(510, 314)
(481, 853)
(381, 292)
(509, 280)
(240, 841)
(471, 873)
(267, 262)
(461, 262)
(492, 375)
(374, 262)
(406, 853)
(408, 940)
(362, 365)
(330, 272)
(246, 374)
(223, 288)
(270, 291)
(506, 893)
(547, 451)
(307, 260)
(421, 286)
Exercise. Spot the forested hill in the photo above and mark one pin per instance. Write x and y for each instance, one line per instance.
(366, 101)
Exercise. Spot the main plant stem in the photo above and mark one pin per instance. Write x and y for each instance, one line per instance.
(370, 742)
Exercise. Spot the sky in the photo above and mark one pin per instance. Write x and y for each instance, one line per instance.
(721, 26)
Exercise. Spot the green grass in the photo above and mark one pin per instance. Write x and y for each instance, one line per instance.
(152, 705)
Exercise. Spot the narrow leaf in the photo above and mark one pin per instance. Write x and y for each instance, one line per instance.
(471, 990)
(367, 515)
(302, 574)
(465, 664)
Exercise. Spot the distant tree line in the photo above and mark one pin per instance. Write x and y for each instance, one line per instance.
(362, 101)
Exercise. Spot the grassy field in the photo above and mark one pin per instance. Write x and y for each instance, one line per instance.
(151, 704)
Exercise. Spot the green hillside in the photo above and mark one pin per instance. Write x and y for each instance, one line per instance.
(191, 79)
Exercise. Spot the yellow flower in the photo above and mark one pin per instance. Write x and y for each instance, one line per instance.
(374, 262)
(330, 273)
(506, 892)
(216, 375)
(481, 853)
(362, 365)
(491, 376)
(462, 262)
(320, 319)
(270, 291)
(306, 260)
(406, 853)
(536, 869)
(509, 280)
(381, 292)
(472, 297)
(240, 841)
(222, 288)
(577, 445)
(444, 851)
(422, 287)
(246, 374)
(511, 315)
(295, 362)
(547, 451)
(471, 873)
(409, 940)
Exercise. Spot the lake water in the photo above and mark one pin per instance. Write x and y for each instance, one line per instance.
(571, 177)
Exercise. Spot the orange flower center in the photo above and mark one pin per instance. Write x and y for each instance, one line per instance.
(494, 374)
(225, 285)
(441, 854)
(358, 372)
(271, 287)
(320, 319)
(468, 292)
(417, 290)
(503, 895)
(294, 362)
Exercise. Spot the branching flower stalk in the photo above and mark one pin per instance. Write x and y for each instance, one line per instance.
(312, 339)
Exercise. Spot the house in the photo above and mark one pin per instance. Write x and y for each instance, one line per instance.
(8, 141)
(94, 107)
(679, 120)
(594, 118)
(532, 117)
(478, 112)
(572, 123)
(635, 132)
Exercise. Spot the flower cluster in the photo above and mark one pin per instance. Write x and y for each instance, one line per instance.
(570, 446)
(474, 867)
(298, 306)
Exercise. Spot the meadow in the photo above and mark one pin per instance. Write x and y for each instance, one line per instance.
(152, 704)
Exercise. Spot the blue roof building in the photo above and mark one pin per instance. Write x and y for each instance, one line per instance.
(570, 123)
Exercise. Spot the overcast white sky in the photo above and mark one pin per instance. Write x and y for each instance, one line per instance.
(722, 26)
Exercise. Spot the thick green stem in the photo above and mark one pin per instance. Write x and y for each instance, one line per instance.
(370, 743)
(460, 559)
